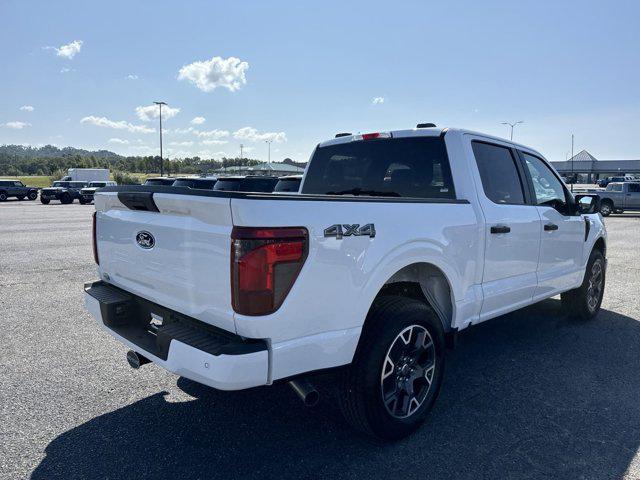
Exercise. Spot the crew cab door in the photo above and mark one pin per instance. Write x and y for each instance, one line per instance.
(512, 228)
(632, 195)
(562, 231)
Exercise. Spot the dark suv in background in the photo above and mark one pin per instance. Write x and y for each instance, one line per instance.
(15, 188)
(246, 184)
(66, 192)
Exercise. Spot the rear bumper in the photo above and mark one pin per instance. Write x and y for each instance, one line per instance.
(182, 345)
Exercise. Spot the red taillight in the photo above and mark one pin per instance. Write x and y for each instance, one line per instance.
(265, 263)
(94, 240)
(371, 136)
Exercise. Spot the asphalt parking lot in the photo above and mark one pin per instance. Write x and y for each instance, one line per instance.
(528, 395)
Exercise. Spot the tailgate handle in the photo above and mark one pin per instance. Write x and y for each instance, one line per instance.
(138, 201)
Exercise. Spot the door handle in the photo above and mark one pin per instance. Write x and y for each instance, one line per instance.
(500, 229)
(550, 227)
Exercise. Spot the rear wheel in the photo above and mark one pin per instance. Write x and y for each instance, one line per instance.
(66, 199)
(32, 195)
(396, 374)
(3, 196)
(45, 201)
(82, 201)
(606, 208)
(584, 302)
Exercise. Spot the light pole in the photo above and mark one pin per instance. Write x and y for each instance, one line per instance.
(241, 147)
(572, 179)
(161, 162)
(268, 142)
(512, 125)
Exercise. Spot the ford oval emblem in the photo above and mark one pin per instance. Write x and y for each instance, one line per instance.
(145, 240)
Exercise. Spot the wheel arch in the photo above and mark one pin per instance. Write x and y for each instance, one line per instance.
(425, 282)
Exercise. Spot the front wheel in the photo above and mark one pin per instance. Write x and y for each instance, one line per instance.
(3, 196)
(32, 195)
(584, 302)
(395, 377)
(44, 201)
(66, 199)
(606, 209)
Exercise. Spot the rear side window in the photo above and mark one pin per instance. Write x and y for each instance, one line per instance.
(617, 187)
(500, 178)
(415, 167)
(634, 187)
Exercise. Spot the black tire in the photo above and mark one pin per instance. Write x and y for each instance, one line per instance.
(32, 195)
(584, 302)
(82, 201)
(66, 199)
(20, 198)
(3, 196)
(372, 372)
(606, 208)
(44, 201)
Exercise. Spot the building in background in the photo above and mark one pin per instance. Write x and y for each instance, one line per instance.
(589, 169)
(273, 168)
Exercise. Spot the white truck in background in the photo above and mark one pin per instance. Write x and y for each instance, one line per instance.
(87, 175)
(396, 241)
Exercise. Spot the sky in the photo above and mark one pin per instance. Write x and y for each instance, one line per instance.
(86, 74)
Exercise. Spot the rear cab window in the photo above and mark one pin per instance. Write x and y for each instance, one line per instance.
(414, 167)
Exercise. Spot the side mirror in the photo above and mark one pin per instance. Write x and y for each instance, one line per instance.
(586, 204)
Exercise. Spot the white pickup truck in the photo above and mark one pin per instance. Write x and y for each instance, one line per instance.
(396, 241)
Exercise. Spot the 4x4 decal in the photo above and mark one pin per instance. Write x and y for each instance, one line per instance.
(347, 230)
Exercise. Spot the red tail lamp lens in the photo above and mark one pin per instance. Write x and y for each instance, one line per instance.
(265, 263)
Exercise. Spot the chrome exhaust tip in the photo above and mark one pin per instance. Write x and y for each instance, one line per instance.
(307, 392)
(135, 360)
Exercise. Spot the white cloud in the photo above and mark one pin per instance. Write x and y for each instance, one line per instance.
(66, 70)
(69, 50)
(180, 130)
(377, 100)
(181, 144)
(16, 125)
(131, 76)
(217, 72)
(120, 125)
(153, 111)
(119, 141)
(252, 135)
(27, 108)
(198, 120)
(215, 134)
(213, 142)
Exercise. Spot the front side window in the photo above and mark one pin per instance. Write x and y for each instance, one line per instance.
(500, 178)
(18, 184)
(416, 167)
(547, 186)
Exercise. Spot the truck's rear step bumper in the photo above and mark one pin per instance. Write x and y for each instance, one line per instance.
(180, 344)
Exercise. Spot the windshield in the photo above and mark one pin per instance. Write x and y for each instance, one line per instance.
(288, 185)
(203, 184)
(415, 167)
(77, 184)
(98, 184)
(159, 181)
(60, 184)
(228, 184)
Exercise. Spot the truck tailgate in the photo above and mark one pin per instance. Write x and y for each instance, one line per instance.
(183, 256)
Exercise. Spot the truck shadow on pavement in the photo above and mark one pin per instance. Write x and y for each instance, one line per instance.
(528, 395)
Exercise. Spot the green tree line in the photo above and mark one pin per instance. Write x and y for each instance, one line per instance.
(19, 160)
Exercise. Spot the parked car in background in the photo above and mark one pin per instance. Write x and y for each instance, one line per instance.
(86, 175)
(17, 189)
(603, 182)
(290, 184)
(86, 194)
(166, 181)
(202, 183)
(65, 192)
(396, 241)
(620, 196)
(246, 184)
